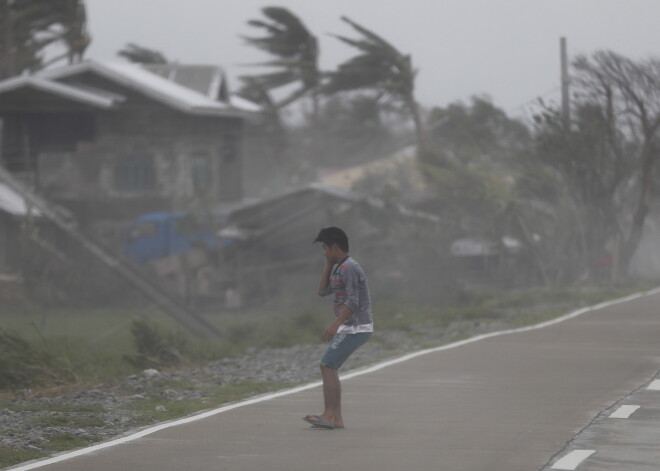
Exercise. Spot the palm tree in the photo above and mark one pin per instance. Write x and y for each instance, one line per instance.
(381, 67)
(296, 51)
(29, 27)
(141, 55)
(73, 19)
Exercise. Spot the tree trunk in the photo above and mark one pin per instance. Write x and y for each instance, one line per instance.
(420, 129)
(641, 211)
(536, 257)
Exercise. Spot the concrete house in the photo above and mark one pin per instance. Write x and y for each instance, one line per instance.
(114, 140)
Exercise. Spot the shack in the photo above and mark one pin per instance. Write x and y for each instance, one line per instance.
(273, 253)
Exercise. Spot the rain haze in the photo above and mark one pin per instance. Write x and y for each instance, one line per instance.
(162, 179)
(508, 49)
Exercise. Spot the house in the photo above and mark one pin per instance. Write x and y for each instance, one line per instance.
(260, 160)
(114, 140)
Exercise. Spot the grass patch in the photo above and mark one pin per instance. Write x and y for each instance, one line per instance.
(145, 413)
(12, 456)
(149, 411)
(67, 421)
(65, 441)
(532, 318)
(87, 346)
(45, 407)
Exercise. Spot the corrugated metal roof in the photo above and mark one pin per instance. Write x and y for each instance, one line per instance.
(148, 83)
(74, 93)
(12, 203)
(206, 79)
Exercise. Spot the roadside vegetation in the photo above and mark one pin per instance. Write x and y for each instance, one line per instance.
(64, 348)
(47, 353)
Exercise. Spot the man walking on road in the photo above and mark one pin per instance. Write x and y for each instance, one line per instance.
(353, 325)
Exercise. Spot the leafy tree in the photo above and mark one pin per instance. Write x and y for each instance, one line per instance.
(604, 160)
(478, 133)
(583, 177)
(472, 186)
(29, 27)
(142, 55)
(626, 93)
(349, 129)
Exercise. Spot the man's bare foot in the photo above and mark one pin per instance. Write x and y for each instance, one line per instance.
(321, 421)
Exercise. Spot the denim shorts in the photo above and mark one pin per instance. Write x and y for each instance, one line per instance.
(341, 347)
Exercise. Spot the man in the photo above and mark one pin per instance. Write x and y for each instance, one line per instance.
(353, 325)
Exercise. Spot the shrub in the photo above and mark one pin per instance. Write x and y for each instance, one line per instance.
(24, 366)
(154, 349)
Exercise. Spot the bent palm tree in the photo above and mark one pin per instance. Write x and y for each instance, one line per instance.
(381, 67)
(74, 21)
(142, 55)
(29, 27)
(296, 49)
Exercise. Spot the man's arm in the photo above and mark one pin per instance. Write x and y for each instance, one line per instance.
(325, 280)
(332, 329)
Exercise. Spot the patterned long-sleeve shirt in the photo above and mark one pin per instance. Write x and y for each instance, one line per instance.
(348, 283)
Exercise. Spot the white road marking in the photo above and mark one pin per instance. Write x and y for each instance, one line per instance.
(267, 397)
(624, 412)
(655, 385)
(573, 459)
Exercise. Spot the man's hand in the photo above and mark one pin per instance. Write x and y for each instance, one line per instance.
(325, 276)
(332, 329)
(330, 332)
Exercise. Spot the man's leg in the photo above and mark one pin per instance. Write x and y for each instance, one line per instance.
(341, 347)
(331, 397)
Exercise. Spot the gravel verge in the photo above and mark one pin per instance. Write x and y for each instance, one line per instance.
(47, 425)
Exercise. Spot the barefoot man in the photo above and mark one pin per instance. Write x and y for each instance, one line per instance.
(353, 325)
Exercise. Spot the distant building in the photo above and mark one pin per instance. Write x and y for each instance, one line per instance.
(114, 140)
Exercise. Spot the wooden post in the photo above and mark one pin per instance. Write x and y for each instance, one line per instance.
(614, 273)
(565, 81)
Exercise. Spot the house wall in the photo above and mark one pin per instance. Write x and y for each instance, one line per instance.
(144, 157)
(27, 133)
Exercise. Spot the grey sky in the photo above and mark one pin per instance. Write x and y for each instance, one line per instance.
(508, 49)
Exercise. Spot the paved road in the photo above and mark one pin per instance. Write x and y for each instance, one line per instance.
(505, 403)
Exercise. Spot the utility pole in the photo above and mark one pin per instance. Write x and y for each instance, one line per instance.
(565, 80)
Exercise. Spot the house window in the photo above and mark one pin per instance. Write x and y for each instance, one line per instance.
(135, 173)
(202, 172)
